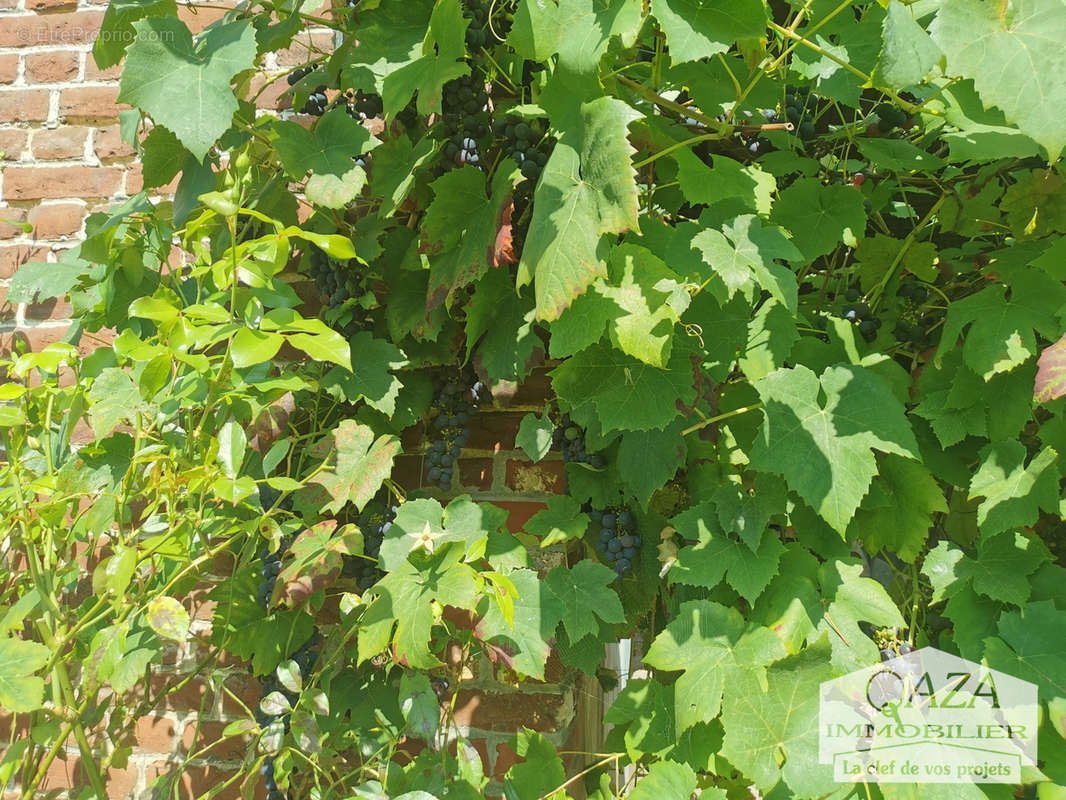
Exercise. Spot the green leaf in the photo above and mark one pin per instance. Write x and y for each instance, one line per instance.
(898, 155)
(561, 521)
(1013, 492)
(459, 230)
(362, 465)
(38, 280)
(250, 347)
(625, 394)
(1051, 373)
(820, 217)
(114, 398)
(395, 164)
(328, 152)
(745, 509)
(588, 188)
(541, 771)
(940, 566)
(371, 376)
(1032, 646)
(713, 646)
(771, 336)
(648, 459)
(745, 253)
(523, 646)
(183, 85)
(666, 779)
(896, 514)
(419, 705)
(20, 689)
(232, 441)
(1014, 55)
(315, 561)
(168, 618)
(535, 436)
(325, 346)
(824, 449)
(698, 29)
(116, 31)
(726, 179)
(578, 30)
(848, 600)
(644, 713)
(499, 324)
(444, 49)
(771, 724)
(1003, 562)
(1002, 330)
(584, 593)
(908, 53)
(162, 156)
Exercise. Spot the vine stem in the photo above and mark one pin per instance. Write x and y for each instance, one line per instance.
(876, 294)
(648, 94)
(736, 412)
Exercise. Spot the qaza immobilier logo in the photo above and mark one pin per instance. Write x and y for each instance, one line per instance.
(928, 717)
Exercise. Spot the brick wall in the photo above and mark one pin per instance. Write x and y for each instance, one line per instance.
(61, 158)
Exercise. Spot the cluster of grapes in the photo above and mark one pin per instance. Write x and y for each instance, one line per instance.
(569, 438)
(465, 120)
(318, 102)
(910, 328)
(521, 141)
(363, 105)
(798, 105)
(269, 571)
(618, 542)
(374, 522)
(477, 11)
(457, 400)
(277, 725)
(859, 314)
(890, 117)
(339, 282)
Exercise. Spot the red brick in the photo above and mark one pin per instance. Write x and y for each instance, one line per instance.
(42, 183)
(246, 689)
(494, 431)
(51, 67)
(508, 712)
(8, 5)
(9, 230)
(529, 478)
(54, 221)
(199, 17)
(11, 258)
(206, 739)
(275, 97)
(91, 103)
(12, 143)
(52, 308)
(94, 73)
(505, 759)
(534, 391)
(195, 781)
(59, 143)
(519, 513)
(475, 473)
(23, 105)
(50, 5)
(9, 68)
(69, 775)
(58, 30)
(7, 310)
(407, 471)
(155, 734)
(304, 47)
(108, 144)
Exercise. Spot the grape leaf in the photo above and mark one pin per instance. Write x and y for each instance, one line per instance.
(363, 463)
(314, 561)
(588, 188)
(1032, 646)
(390, 36)
(535, 436)
(460, 226)
(624, 393)
(395, 163)
(1013, 492)
(539, 774)
(41, 280)
(1051, 373)
(578, 30)
(328, 151)
(898, 155)
(850, 599)
(667, 779)
(402, 610)
(162, 156)
(584, 594)
(725, 179)
(771, 334)
(116, 30)
(537, 612)
(20, 689)
(648, 459)
(908, 53)
(820, 217)
(824, 450)
(1001, 566)
(499, 323)
(183, 85)
(371, 376)
(114, 398)
(745, 510)
(771, 724)
(1015, 56)
(713, 646)
(896, 514)
(940, 566)
(561, 521)
(643, 713)
(695, 29)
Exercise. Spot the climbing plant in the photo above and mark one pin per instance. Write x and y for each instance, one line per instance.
(795, 271)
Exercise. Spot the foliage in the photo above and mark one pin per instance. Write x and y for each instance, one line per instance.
(794, 270)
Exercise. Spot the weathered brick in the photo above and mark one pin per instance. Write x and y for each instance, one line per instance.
(108, 144)
(196, 780)
(23, 105)
(42, 183)
(54, 221)
(518, 513)
(475, 473)
(90, 103)
(94, 73)
(526, 477)
(56, 144)
(304, 47)
(11, 258)
(509, 712)
(51, 67)
(9, 68)
(155, 734)
(69, 775)
(58, 30)
(50, 5)
(207, 735)
(7, 310)
(275, 97)
(200, 17)
(494, 431)
(8, 218)
(12, 143)
(8, 5)
(52, 308)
